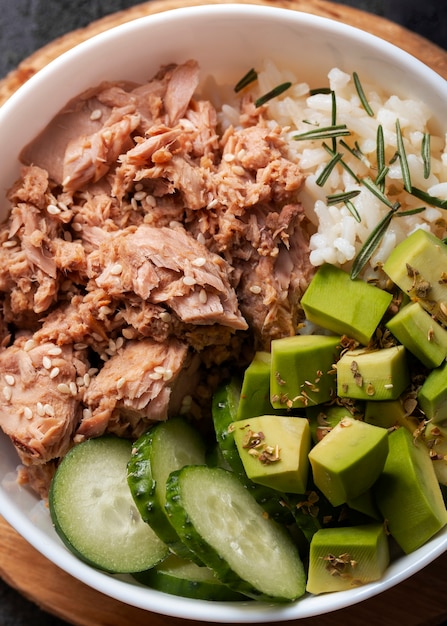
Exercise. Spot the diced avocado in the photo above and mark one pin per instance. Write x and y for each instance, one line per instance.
(323, 418)
(302, 370)
(408, 494)
(372, 375)
(348, 460)
(416, 329)
(255, 392)
(343, 558)
(418, 266)
(365, 503)
(347, 307)
(432, 395)
(274, 450)
(389, 414)
(435, 438)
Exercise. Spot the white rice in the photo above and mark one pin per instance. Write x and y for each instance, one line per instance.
(338, 236)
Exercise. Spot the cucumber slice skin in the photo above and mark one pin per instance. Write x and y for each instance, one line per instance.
(224, 412)
(183, 578)
(93, 512)
(271, 572)
(160, 446)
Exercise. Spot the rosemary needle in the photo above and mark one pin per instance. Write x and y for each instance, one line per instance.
(321, 180)
(425, 151)
(273, 93)
(361, 95)
(371, 243)
(250, 77)
(403, 159)
(324, 132)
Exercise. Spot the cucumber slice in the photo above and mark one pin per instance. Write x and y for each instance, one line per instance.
(168, 446)
(187, 579)
(224, 413)
(93, 511)
(222, 523)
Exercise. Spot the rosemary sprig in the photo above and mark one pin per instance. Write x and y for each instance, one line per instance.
(380, 156)
(326, 172)
(403, 159)
(342, 163)
(361, 95)
(426, 197)
(250, 77)
(344, 196)
(273, 93)
(426, 154)
(372, 241)
(373, 188)
(353, 211)
(334, 118)
(324, 132)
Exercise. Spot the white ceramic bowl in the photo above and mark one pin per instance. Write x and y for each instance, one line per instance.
(226, 40)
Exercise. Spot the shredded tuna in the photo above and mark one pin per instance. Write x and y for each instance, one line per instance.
(148, 252)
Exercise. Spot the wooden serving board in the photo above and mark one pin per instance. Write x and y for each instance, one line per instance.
(419, 601)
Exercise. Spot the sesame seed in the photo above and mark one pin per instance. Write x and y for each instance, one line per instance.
(40, 409)
(155, 376)
(214, 202)
(134, 204)
(128, 333)
(203, 296)
(29, 345)
(92, 371)
(97, 337)
(241, 154)
(199, 262)
(52, 209)
(80, 346)
(112, 345)
(49, 410)
(96, 115)
(7, 393)
(73, 388)
(116, 269)
(76, 227)
(120, 382)
(54, 372)
(228, 158)
(151, 201)
(9, 379)
(119, 343)
(139, 195)
(138, 186)
(10, 243)
(86, 414)
(46, 362)
(80, 381)
(66, 180)
(256, 289)
(238, 170)
(62, 206)
(159, 369)
(164, 316)
(189, 281)
(28, 414)
(63, 388)
(201, 237)
(56, 351)
(167, 375)
(87, 379)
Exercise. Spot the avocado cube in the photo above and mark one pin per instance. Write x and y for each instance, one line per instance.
(435, 438)
(255, 391)
(274, 450)
(302, 371)
(418, 266)
(344, 306)
(372, 375)
(323, 418)
(408, 494)
(389, 414)
(348, 460)
(432, 395)
(343, 558)
(416, 329)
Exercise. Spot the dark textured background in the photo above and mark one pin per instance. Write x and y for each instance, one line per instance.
(27, 25)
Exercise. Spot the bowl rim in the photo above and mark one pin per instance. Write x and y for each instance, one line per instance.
(148, 599)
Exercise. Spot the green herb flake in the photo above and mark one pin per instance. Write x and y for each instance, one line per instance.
(324, 132)
(344, 196)
(375, 189)
(273, 93)
(321, 180)
(426, 154)
(250, 77)
(342, 162)
(361, 95)
(426, 197)
(403, 159)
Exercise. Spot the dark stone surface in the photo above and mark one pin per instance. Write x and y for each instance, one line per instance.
(27, 25)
